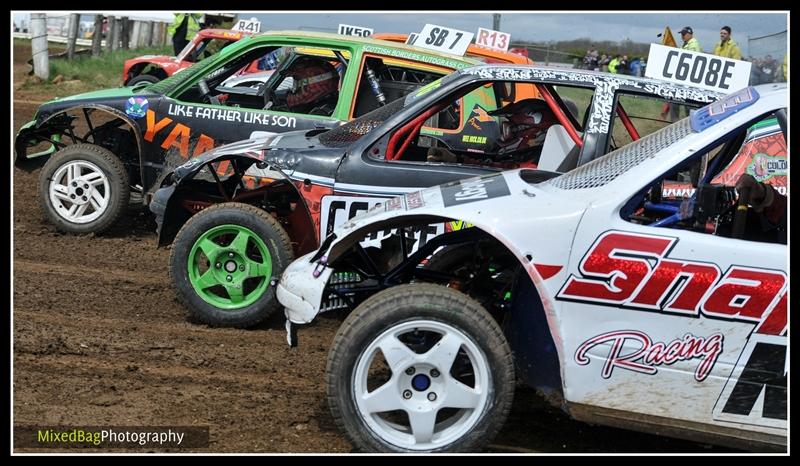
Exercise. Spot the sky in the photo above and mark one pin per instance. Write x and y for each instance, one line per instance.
(616, 26)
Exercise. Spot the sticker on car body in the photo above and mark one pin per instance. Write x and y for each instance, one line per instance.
(648, 354)
(358, 31)
(473, 190)
(636, 271)
(756, 391)
(136, 107)
(336, 210)
(716, 112)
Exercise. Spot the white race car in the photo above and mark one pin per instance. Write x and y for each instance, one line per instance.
(625, 307)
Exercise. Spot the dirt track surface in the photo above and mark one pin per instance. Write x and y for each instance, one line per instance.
(100, 339)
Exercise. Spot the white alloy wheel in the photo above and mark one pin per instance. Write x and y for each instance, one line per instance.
(422, 385)
(79, 191)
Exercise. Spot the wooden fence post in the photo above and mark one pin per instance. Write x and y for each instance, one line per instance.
(145, 33)
(136, 33)
(126, 33)
(110, 33)
(72, 34)
(41, 65)
(97, 35)
(116, 34)
(157, 38)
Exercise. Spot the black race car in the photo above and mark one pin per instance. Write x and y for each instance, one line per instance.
(239, 213)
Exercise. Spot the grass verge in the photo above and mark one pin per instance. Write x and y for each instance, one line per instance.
(84, 73)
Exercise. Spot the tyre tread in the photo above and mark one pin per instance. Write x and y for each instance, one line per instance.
(369, 312)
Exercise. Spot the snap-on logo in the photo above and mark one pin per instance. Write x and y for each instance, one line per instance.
(635, 271)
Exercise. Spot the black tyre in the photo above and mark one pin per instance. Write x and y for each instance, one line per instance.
(83, 188)
(143, 78)
(225, 262)
(420, 367)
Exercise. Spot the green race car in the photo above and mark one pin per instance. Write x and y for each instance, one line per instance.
(101, 146)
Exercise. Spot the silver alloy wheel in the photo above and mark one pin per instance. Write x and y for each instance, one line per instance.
(422, 385)
(79, 191)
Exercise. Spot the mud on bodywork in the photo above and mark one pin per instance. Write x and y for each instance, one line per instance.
(248, 172)
(57, 125)
(481, 263)
(489, 272)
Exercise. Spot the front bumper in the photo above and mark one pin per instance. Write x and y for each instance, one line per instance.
(28, 136)
(158, 206)
(301, 289)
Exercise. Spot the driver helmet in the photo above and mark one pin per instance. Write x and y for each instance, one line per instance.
(525, 124)
(313, 80)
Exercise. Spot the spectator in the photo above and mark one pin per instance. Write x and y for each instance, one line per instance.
(622, 67)
(183, 28)
(603, 63)
(693, 45)
(785, 63)
(764, 71)
(770, 68)
(590, 59)
(726, 47)
(636, 66)
(587, 59)
(756, 73)
(612, 65)
(689, 42)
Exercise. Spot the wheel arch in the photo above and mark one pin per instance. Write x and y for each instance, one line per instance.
(531, 325)
(137, 132)
(302, 230)
(138, 69)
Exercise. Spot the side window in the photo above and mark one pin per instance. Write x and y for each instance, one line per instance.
(384, 80)
(512, 136)
(306, 81)
(524, 91)
(213, 87)
(208, 48)
(763, 155)
(637, 116)
(185, 52)
(578, 101)
(700, 194)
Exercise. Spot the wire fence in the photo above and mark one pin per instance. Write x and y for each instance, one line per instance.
(550, 56)
(774, 45)
(767, 54)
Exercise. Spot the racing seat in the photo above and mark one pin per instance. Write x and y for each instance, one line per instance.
(557, 144)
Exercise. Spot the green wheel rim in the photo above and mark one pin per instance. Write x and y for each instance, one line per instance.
(224, 267)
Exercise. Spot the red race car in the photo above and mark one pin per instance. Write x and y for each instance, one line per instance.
(154, 68)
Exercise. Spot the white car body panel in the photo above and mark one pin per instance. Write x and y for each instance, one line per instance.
(684, 378)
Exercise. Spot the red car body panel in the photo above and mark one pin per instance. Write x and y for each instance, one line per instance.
(171, 65)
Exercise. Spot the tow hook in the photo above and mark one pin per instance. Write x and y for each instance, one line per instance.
(291, 334)
(320, 267)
